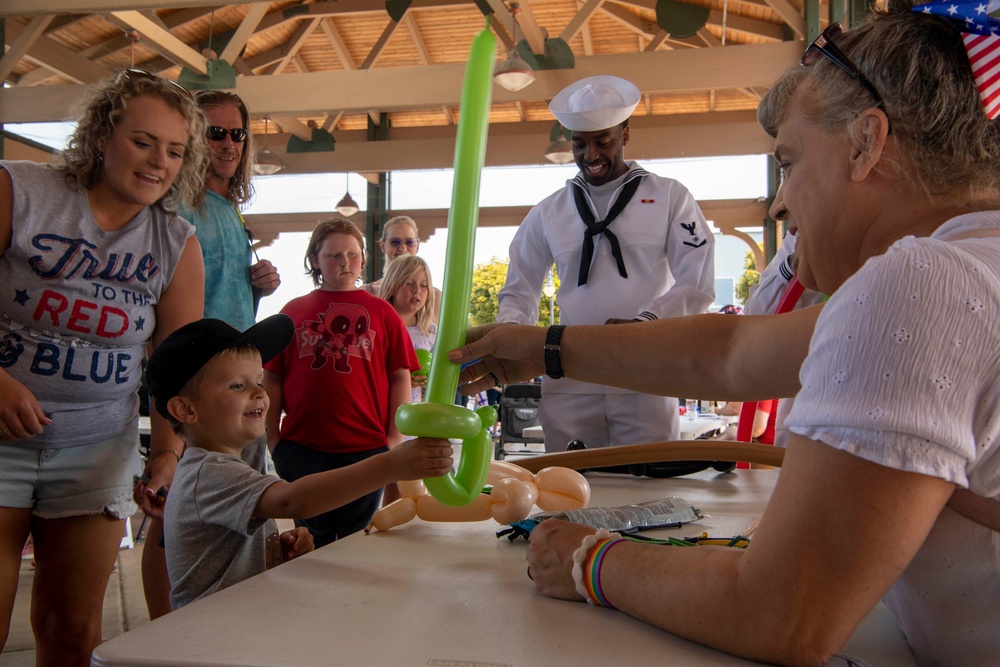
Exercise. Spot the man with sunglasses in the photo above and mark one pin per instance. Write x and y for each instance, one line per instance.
(628, 246)
(236, 284)
(233, 285)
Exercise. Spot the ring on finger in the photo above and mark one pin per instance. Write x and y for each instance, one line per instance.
(529, 574)
(496, 382)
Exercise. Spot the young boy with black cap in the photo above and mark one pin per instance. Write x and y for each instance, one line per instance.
(207, 380)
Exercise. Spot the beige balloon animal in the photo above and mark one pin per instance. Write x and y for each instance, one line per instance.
(515, 492)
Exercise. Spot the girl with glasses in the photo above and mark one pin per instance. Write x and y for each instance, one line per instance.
(400, 238)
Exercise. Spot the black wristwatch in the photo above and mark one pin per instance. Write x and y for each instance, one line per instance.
(553, 361)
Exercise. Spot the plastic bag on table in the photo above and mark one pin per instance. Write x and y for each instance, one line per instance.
(650, 515)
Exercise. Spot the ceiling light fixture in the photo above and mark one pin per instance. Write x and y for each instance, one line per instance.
(513, 73)
(266, 162)
(347, 206)
(560, 151)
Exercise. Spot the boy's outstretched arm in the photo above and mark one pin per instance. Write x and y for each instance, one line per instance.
(324, 491)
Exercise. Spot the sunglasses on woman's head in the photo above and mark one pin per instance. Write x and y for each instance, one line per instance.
(824, 46)
(216, 133)
(133, 75)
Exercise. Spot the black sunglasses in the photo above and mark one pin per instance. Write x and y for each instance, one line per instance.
(133, 74)
(824, 45)
(216, 133)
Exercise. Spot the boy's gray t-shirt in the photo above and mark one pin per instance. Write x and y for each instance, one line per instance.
(212, 540)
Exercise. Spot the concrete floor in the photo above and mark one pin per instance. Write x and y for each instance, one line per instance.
(124, 605)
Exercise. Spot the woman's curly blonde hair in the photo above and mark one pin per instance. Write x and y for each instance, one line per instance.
(82, 161)
(948, 148)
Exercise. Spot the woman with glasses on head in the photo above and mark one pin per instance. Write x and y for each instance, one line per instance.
(94, 264)
(891, 480)
(400, 237)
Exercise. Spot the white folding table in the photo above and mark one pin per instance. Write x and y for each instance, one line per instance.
(453, 594)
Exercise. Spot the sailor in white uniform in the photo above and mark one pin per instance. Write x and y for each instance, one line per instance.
(628, 246)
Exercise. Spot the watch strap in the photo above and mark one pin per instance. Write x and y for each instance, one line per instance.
(553, 359)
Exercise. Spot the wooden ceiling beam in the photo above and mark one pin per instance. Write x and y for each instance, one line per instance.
(530, 31)
(383, 40)
(331, 120)
(533, 33)
(425, 57)
(160, 40)
(57, 58)
(292, 46)
(710, 40)
(588, 41)
(518, 144)
(771, 31)
(580, 20)
(243, 32)
(418, 39)
(790, 15)
(644, 28)
(657, 40)
(294, 126)
(344, 8)
(406, 88)
(501, 32)
(113, 45)
(36, 7)
(733, 22)
(337, 42)
(23, 43)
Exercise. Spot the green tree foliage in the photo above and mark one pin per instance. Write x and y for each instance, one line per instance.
(487, 279)
(749, 277)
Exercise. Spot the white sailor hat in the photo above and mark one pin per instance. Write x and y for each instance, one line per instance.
(595, 103)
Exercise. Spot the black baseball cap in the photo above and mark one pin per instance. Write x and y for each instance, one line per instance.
(184, 352)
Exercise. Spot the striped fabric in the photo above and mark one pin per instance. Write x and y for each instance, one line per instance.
(981, 34)
(984, 54)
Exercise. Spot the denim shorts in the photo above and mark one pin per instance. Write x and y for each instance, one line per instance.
(72, 481)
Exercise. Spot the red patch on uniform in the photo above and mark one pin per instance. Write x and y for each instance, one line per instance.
(648, 201)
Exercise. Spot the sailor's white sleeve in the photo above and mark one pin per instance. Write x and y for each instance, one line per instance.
(691, 258)
(530, 259)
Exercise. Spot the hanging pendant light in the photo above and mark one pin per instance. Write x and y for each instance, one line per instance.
(513, 72)
(560, 151)
(347, 206)
(267, 163)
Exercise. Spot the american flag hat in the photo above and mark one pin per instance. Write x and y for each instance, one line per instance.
(981, 34)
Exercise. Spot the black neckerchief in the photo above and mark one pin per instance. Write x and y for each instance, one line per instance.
(594, 227)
